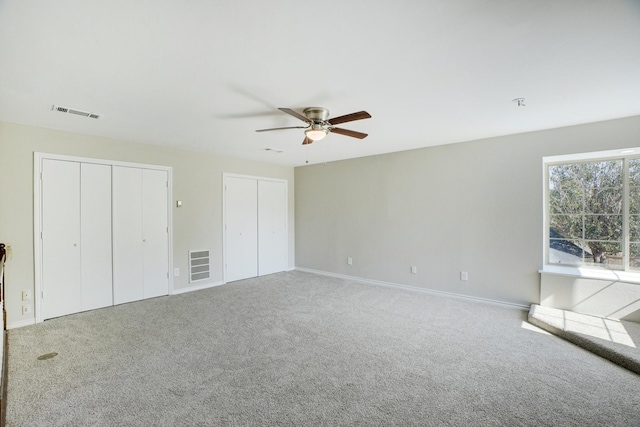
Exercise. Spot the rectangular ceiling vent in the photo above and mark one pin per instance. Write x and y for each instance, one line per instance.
(199, 265)
(74, 111)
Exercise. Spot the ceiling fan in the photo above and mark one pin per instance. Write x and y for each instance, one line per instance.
(320, 125)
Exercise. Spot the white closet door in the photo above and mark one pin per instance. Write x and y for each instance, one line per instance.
(241, 228)
(95, 230)
(272, 227)
(155, 233)
(128, 276)
(61, 280)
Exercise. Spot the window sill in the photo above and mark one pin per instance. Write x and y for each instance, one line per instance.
(590, 273)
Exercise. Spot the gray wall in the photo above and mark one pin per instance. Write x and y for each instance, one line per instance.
(474, 207)
(197, 181)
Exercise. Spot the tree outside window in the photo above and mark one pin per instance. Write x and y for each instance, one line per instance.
(586, 214)
(634, 214)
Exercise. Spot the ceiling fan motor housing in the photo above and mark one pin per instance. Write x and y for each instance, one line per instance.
(316, 114)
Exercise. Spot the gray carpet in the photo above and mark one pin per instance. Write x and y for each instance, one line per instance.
(300, 349)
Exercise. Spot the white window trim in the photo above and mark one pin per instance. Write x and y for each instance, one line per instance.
(592, 273)
(584, 272)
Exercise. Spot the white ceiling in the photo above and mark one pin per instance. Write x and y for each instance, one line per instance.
(203, 75)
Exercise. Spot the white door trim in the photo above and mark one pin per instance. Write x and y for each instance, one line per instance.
(37, 215)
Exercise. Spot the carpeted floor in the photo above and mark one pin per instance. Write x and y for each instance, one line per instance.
(300, 349)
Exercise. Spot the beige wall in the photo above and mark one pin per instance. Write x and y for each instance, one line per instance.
(197, 181)
(474, 207)
(613, 299)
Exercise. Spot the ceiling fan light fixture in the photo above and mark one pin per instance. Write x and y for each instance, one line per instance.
(316, 133)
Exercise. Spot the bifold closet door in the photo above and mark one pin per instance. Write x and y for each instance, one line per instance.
(241, 228)
(95, 236)
(272, 227)
(61, 274)
(128, 276)
(140, 234)
(255, 227)
(76, 237)
(155, 237)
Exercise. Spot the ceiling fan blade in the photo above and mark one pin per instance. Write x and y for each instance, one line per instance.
(307, 141)
(294, 114)
(289, 127)
(348, 132)
(349, 117)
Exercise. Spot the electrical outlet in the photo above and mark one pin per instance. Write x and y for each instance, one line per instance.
(176, 272)
(414, 269)
(26, 309)
(350, 261)
(464, 275)
(26, 295)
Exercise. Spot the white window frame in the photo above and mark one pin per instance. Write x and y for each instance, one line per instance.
(588, 271)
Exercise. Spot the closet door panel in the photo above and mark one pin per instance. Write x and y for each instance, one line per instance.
(272, 227)
(95, 228)
(155, 233)
(241, 228)
(61, 279)
(128, 272)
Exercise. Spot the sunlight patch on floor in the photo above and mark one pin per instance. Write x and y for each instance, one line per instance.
(597, 327)
(528, 326)
(605, 329)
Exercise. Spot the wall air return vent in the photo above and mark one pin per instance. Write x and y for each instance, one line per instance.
(199, 265)
(74, 111)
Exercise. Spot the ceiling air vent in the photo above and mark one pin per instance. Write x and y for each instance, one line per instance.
(74, 111)
(198, 265)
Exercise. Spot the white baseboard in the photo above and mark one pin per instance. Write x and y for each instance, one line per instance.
(414, 288)
(21, 323)
(196, 288)
(27, 322)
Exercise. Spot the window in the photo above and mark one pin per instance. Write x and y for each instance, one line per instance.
(592, 212)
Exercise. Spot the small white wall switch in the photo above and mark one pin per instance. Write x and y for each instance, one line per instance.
(350, 261)
(178, 203)
(26, 295)
(414, 269)
(464, 275)
(176, 272)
